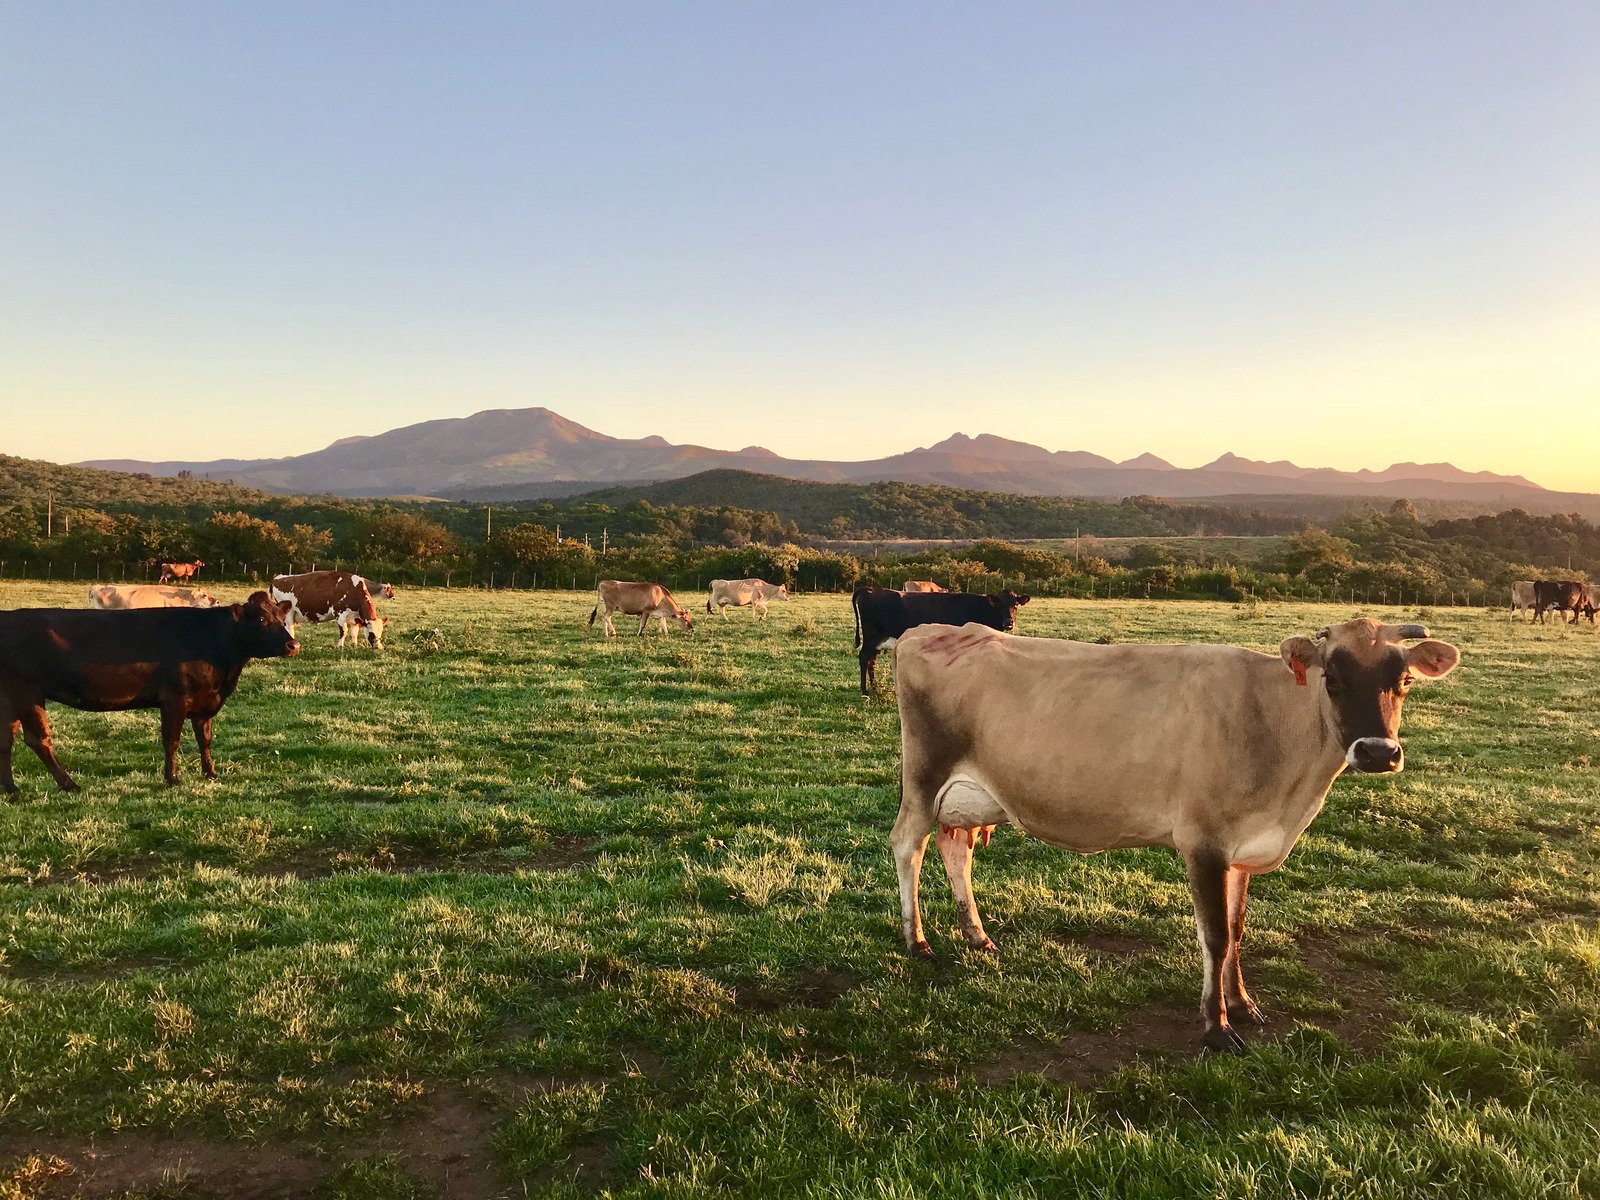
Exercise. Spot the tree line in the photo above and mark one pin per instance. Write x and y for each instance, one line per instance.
(99, 524)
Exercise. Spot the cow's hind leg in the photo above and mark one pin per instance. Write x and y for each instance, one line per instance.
(956, 847)
(8, 733)
(36, 732)
(910, 842)
(1241, 1008)
(869, 670)
(1208, 884)
(171, 735)
(202, 737)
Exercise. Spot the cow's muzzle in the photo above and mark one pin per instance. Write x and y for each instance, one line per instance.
(1376, 756)
(291, 649)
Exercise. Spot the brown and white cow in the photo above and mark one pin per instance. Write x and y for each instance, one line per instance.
(327, 596)
(753, 594)
(647, 601)
(171, 572)
(147, 595)
(921, 585)
(1220, 753)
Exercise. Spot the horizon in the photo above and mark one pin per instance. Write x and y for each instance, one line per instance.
(1345, 237)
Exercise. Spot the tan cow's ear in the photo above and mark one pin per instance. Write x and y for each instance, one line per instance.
(1299, 655)
(1432, 659)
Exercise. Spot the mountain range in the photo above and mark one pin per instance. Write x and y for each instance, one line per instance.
(526, 453)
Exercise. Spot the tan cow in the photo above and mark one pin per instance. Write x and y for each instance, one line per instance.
(646, 601)
(921, 585)
(753, 594)
(171, 572)
(148, 595)
(352, 627)
(1522, 598)
(1220, 753)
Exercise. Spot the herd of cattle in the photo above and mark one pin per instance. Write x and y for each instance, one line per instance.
(1562, 595)
(1220, 753)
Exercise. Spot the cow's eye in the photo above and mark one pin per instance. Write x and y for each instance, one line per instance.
(1405, 682)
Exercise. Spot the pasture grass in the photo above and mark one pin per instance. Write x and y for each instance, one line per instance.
(511, 909)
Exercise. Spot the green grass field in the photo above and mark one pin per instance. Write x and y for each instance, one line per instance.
(531, 913)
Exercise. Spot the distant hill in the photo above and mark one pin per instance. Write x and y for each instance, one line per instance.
(530, 452)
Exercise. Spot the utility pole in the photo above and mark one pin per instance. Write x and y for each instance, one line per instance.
(605, 530)
(558, 534)
(50, 515)
(488, 522)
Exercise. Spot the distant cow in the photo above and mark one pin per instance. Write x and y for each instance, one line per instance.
(327, 596)
(883, 616)
(172, 572)
(1563, 595)
(745, 593)
(647, 601)
(921, 585)
(1220, 753)
(1522, 598)
(184, 661)
(148, 595)
(353, 628)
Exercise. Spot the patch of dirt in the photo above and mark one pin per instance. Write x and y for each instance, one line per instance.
(443, 1144)
(561, 854)
(1120, 944)
(1367, 1012)
(587, 1167)
(47, 975)
(1158, 1030)
(816, 987)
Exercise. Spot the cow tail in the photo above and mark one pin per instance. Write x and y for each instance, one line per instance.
(594, 613)
(708, 603)
(855, 607)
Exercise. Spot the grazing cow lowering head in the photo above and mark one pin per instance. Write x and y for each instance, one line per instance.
(1364, 675)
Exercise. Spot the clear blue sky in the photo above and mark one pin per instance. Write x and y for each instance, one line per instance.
(1341, 233)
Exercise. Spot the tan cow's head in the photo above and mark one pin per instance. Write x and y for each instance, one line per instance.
(1363, 674)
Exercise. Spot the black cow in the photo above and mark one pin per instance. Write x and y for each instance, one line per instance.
(883, 615)
(1560, 594)
(184, 661)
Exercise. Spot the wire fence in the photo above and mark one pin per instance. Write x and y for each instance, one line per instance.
(245, 574)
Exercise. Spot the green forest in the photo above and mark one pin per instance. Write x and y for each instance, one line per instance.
(72, 522)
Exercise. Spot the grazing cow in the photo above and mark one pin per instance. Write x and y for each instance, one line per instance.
(148, 595)
(1563, 595)
(386, 590)
(883, 615)
(745, 593)
(326, 596)
(172, 572)
(351, 626)
(186, 662)
(646, 601)
(1220, 753)
(1522, 598)
(921, 585)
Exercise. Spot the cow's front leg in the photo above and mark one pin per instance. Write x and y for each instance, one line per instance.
(1241, 1008)
(202, 737)
(955, 847)
(1208, 884)
(171, 735)
(36, 733)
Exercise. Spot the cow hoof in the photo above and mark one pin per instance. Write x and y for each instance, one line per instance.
(986, 946)
(1245, 1014)
(923, 951)
(1223, 1040)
